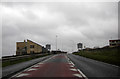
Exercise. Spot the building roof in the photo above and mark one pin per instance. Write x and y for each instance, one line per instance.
(34, 42)
(115, 40)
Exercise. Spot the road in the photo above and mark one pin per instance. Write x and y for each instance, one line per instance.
(95, 69)
(72, 67)
(12, 69)
(57, 66)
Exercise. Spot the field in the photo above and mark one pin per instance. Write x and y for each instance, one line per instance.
(108, 55)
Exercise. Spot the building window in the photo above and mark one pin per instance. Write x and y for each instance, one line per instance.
(17, 47)
(31, 46)
(18, 53)
(31, 52)
(25, 48)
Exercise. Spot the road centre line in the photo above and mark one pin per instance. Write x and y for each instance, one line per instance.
(82, 74)
(36, 66)
(48, 59)
(23, 74)
(73, 69)
(32, 69)
(72, 63)
(78, 75)
(78, 70)
(71, 66)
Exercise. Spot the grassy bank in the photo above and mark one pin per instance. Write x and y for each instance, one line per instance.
(11, 62)
(108, 55)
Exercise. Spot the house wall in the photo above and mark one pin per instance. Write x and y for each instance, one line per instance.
(37, 48)
(19, 47)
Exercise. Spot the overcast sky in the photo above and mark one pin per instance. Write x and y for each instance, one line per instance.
(91, 23)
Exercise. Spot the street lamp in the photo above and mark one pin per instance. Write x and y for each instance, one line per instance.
(56, 42)
(72, 44)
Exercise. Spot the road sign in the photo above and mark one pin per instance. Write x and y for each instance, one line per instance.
(79, 45)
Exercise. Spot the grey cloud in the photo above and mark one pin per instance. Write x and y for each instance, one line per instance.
(91, 23)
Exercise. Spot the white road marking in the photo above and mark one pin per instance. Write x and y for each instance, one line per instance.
(21, 75)
(40, 63)
(71, 66)
(69, 61)
(25, 70)
(82, 74)
(31, 69)
(65, 56)
(36, 66)
(72, 63)
(73, 69)
(78, 75)
(49, 58)
(68, 58)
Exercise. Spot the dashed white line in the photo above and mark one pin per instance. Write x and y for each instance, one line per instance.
(25, 70)
(71, 66)
(70, 62)
(31, 69)
(73, 69)
(82, 74)
(21, 75)
(67, 58)
(48, 58)
(36, 66)
(40, 63)
(78, 75)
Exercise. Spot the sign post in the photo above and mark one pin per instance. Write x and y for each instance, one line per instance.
(79, 46)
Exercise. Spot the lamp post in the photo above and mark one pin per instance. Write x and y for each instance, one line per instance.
(56, 42)
(72, 44)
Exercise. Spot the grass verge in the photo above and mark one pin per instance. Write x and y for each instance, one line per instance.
(108, 55)
(11, 62)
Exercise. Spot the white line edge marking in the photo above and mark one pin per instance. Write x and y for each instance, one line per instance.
(32, 69)
(21, 75)
(27, 69)
(21, 72)
(78, 75)
(73, 69)
(36, 66)
(72, 63)
(42, 62)
(82, 74)
(39, 63)
(71, 66)
(49, 58)
(79, 70)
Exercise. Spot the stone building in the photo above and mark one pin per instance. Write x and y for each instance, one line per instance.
(28, 47)
(114, 42)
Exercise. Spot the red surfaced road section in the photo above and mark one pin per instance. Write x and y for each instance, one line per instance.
(57, 66)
